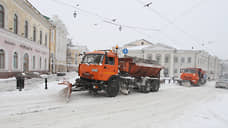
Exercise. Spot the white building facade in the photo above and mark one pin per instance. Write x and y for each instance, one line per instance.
(173, 59)
(24, 38)
(74, 56)
(61, 42)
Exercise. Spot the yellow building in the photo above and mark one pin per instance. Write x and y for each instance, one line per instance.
(52, 50)
(24, 38)
(74, 56)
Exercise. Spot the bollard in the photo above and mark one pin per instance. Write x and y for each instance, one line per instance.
(46, 84)
(20, 83)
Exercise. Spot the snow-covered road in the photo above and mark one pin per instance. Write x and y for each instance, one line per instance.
(173, 106)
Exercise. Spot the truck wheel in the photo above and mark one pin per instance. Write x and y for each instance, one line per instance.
(113, 88)
(146, 88)
(155, 86)
(195, 85)
(180, 83)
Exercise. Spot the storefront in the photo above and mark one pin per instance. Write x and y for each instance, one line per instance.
(18, 54)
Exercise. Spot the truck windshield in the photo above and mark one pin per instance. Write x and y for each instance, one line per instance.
(93, 59)
(189, 70)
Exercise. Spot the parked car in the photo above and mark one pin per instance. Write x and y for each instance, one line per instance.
(222, 82)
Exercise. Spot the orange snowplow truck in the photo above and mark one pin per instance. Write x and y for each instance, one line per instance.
(103, 70)
(196, 76)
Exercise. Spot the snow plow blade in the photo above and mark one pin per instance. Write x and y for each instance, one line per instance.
(67, 91)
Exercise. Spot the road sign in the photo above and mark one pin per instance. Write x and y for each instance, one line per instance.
(125, 51)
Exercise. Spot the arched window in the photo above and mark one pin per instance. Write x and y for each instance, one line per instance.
(189, 60)
(15, 60)
(2, 59)
(166, 58)
(33, 62)
(175, 59)
(40, 63)
(182, 60)
(46, 39)
(26, 29)
(34, 33)
(45, 64)
(2, 16)
(15, 23)
(41, 37)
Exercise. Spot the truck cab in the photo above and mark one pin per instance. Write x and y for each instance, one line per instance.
(98, 70)
(99, 65)
(195, 76)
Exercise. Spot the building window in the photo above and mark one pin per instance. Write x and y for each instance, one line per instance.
(41, 37)
(15, 60)
(76, 58)
(166, 72)
(45, 64)
(175, 70)
(189, 60)
(2, 16)
(158, 58)
(149, 56)
(26, 29)
(40, 63)
(15, 23)
(175, 59)
(182, 60)
(34, 33)
(2, 59)
(33, 62)
(166, 59)
(46, 39)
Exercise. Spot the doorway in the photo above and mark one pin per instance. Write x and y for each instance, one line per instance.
(26, 63)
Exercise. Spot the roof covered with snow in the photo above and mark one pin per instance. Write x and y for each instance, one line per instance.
(138, 43)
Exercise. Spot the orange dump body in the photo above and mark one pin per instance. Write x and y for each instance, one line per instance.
(126, 65)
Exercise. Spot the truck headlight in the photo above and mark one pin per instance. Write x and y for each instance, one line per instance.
(94, 70)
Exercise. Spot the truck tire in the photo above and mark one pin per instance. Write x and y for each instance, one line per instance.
(113, 88)
(146, 88)
(195, 85)
(180, 83)
(155, 86)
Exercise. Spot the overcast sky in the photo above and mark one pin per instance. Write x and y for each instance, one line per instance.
(183, 24)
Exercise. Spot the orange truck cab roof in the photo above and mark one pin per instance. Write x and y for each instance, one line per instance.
(109, 52)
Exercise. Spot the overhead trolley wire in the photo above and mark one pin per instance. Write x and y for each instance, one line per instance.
(105, 19)
(167, 20)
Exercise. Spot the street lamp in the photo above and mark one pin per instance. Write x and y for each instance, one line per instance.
(75, 14)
